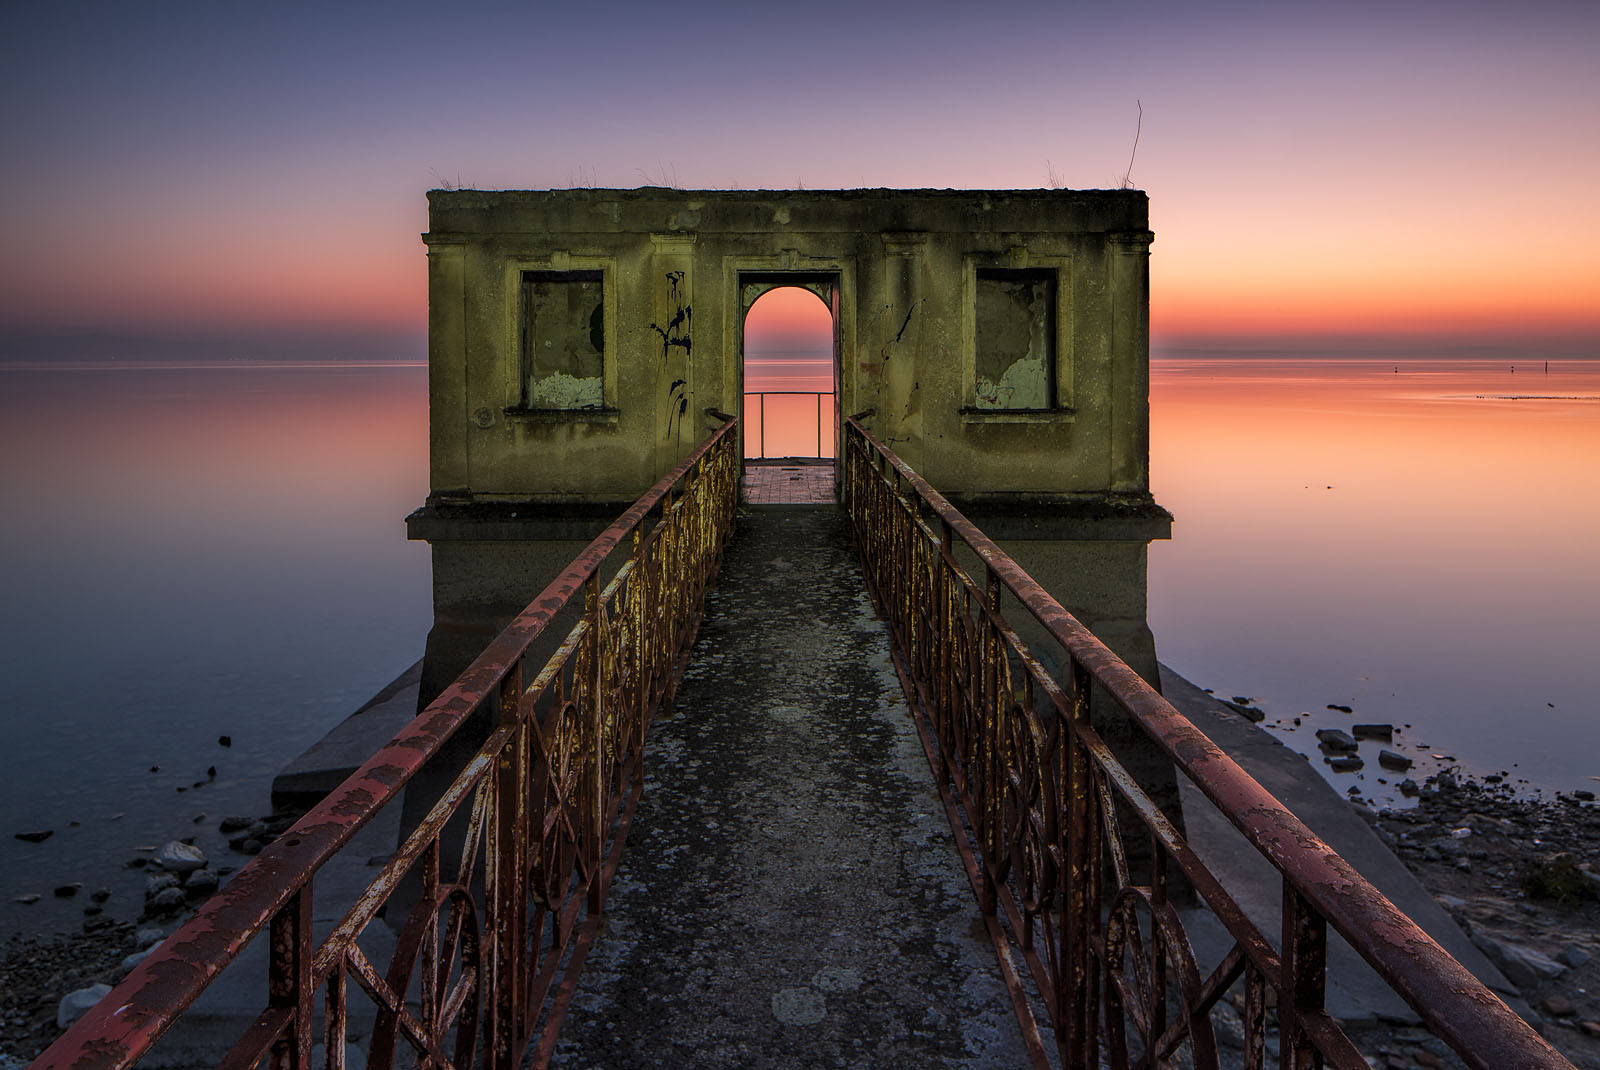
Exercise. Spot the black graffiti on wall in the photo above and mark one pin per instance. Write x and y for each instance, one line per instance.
(677, 405)
(676, 332)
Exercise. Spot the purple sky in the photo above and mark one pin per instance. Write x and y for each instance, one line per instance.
(1318, 176)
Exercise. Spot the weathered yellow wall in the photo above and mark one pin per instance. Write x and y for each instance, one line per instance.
(904, 263)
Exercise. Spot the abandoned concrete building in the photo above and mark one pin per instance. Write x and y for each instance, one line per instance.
(583, 341)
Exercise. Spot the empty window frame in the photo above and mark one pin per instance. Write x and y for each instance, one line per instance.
(1015, 339)
(563, 340)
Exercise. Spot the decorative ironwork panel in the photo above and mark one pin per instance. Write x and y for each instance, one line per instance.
(513, 862)
(1074, 864)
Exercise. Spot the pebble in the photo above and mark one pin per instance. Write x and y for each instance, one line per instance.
(201, 882)
(1557, 1006)
(1383, 732)
(28, 900)
(179, 857)
(36, 835)
(1573, 956)
(67, 891)
(159, 882)
(75, 1005)
(148, 937)
(1522, 966)
(137, 957)
(165, 900)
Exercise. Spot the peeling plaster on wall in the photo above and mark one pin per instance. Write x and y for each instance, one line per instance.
(1021, 386)
(558, 390)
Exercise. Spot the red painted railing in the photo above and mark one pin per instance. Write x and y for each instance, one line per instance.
(1073, 863)
(486, 961)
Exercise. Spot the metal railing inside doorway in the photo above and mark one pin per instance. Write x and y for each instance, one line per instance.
(786, 415)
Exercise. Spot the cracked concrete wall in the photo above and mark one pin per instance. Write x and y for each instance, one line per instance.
(912, 337)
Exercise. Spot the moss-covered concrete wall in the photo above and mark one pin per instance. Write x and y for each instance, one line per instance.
(908, 272)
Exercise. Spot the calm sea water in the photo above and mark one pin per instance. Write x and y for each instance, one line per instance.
(1418, 540)
(190, 552)
(195, 551)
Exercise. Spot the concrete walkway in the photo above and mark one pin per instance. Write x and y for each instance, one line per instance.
(790, 894)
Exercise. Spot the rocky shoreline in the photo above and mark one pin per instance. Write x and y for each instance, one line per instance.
(1519, 874)
(47, 982)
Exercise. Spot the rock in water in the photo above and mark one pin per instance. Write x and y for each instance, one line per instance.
(1335, 740)
(1393, 760)
(201, 882)
(36, 835)
(75, 1005)
(165, 900)
(181, 858)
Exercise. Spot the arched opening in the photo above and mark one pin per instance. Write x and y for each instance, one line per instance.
(789, 396)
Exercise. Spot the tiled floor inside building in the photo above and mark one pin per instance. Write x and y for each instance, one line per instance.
(789, 482)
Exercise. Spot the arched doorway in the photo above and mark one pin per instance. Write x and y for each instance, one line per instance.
(789, 367)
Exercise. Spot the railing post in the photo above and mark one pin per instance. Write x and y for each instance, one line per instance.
(334, 1019)
(1305, 962)
(289, 979)
(507, 895)
(1081, 994)
(595, 715)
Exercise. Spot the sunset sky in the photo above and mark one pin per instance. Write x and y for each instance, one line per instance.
(1361, 174)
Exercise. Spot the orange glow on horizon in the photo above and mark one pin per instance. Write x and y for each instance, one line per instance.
(788, 319)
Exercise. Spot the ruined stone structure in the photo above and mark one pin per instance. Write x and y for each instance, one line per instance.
(582, 341)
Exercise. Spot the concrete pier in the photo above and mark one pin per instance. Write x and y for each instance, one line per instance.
(790, 895)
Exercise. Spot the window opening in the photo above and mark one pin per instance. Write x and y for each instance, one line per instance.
(563, 340)
(1015, 339)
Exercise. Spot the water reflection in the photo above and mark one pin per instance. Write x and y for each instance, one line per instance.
(1415, 543)
(190, 551)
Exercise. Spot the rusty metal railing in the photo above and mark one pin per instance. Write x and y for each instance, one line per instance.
(486, 962)
(819, 424)
(1053, 827)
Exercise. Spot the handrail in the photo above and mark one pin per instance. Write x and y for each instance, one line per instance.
(1038, 847)
(551, 793)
